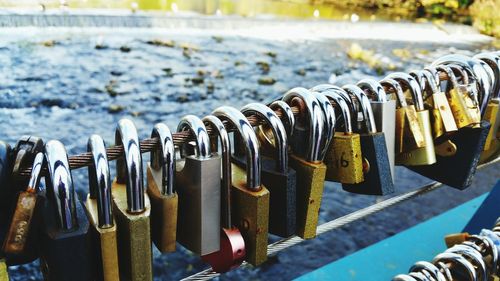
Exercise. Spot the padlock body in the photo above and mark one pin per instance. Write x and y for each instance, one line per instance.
(163, 213)
(424, 155)
(65, 255)
(283, 201)
(134, 240)
(310, 183)
(104, 246)
(198, 188)
(491, 148)
(250, 213)
(442, 119)
(20, 246)
(231, 254)
(458, 170)
(376, 167)
(4, 273)
(385, 115)
(344, 162)
(464, 109)
(409, 132)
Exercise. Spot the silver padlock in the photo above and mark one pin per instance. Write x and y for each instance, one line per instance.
(198, 184)
(384, 113)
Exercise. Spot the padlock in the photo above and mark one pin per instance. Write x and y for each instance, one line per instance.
(197, 181)
(131, 208)
(376, 166)
(232, 245)
(100, 213)
(286, 113)
(4, 273)
(164, 199)
(65, 246)
(5, 173)
(20, 245)
(384, 113)
(276, 176)
(307, 159)
(408, 132)
(343, 159)
(340, 92)
(250, 198)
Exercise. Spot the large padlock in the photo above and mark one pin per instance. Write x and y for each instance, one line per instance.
(384, 114)
(65, 246)
(307, 159)
(408, 132)
(164, 199)
(197, 181)
(250, 198)
(100, 213)
(232, 245)
(20, 245)
(131, 207)
(276, 176)
(376, 165)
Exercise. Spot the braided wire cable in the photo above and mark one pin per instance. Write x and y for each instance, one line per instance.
(283, 244)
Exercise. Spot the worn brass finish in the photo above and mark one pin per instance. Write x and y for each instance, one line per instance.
(442, 117)
(420, 156)
(251, 216)
(134, 241)
(465, 111)
(343, 160)
(4, 274)
(310, 182)
(163, 213)
(409, 133)
(492, 145)
(455, 238)
(446, 148)
(104, 245)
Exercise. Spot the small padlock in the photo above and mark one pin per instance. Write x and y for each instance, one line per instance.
(131, 207)
(197, 181)
(164, 199)
(65, 246)
(276, 176)
(250, 198)
(376, 166)
(232, 245)
(19, 245)
(307, 157)
(100, 213)
(408, 133)
(384, 113)
(422, 155)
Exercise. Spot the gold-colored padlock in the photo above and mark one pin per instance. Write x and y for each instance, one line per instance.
(132, 207)
(4, 273)
(250, 206)
(308, 146)
(164, 199)
(422, 155)
(100, 212)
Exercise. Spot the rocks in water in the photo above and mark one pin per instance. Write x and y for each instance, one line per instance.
(218, 39)
(110, 88)
(182, 98)
(49, 43)
(161, 43)
(116, 73)
(271, 54)
(264, 66)
(168, 71)
(115, 108)
(217, 74)
(125, 49)
(198, 80)
(301, 72)
(266, 80)
(101, 46)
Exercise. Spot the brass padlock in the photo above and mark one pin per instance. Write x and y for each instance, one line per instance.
(164, 199)
(198, 181)
(100, 213)
(384, 111)
(4, 273)
(422, 155)
(232, 245)
(132, 208)
(307, 146)
(250, 197)
(409, 133)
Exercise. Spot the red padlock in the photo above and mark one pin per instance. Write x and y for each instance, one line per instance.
(232, 246)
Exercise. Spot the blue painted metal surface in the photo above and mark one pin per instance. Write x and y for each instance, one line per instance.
(395, 255)
(487, 213)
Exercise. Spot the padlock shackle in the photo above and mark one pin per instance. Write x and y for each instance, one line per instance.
(36, 175)
(129, 167)
(163, 157)
(397, 89)
(373, 89)
(287, 115)
(316, 121)
(451, 76)
(364, 106)
(345, 109)
(430, 268)
(60, 184)
(456, 259)
(425, 80)
(247, 134)
(196, 127)
(226, 182)
(412, 85)
(493, 60)
(100, 181)
(272, 120)
(341, 92)
(330, 120)
(25, 150)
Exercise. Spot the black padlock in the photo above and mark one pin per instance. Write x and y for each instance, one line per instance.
(65, 239)
(5, 172)
(376, 165)
(276, 175)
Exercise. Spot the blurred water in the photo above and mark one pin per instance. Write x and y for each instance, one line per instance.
(55, 83)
